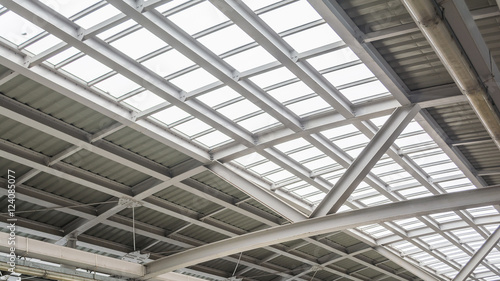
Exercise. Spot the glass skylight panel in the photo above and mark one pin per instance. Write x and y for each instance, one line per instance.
(168, 63)
(256, 123)
(86, 68)
(290, 16)
(431, 159)
(98, 16)
(309, 106)
(257, 4)
(144, 100)
(287, 146)
(43, 44)
(365, 91)
(117, 85)
(218, 96)
(305, 154)
(339, 131)
(116, 29)
(305, 190)
(316, 198)
(63, 55)
(349, 141)
(279, 176)
(16, 29)
(226, 39)
(193, 80)
(171, 115)
(273, 77)
(133, 45)
(213, 139)
(69, 8)
(331, 59)
(198, 17)
(319, 163)
(348, 75)
(192, 127)
(249, 159)
(290, 91)
(375, 200)
(483, 211)
(415, 192)
(169, 5)
(238, 109)
(265, 167)
(409, 224)
(250, 59)
(311, 38)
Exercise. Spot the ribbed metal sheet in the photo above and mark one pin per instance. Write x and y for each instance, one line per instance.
(238, 220)
(5, 165)
(343, 239)
(490, 29)
(214, 181)
(119, 236)
(55, 104)
(152, 217)
(413, 59)
(410, 55)
(30, 138)
(97, 164)
(187, 200)
(285, 262)
(459, 122)
(37, 213)
(313, 250)
(202, 234)
(147, 147)
(67, 189)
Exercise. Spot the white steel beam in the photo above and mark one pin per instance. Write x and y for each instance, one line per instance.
(73, 34)
(166, 30)
(249, 22)
(362, 165)
(326, 224)
(478, 256)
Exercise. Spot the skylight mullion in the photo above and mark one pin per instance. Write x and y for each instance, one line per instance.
(274, 44)
(172, 35)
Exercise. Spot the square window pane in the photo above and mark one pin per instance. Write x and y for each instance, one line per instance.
(332, 59)
(258, 122)
(97, 16)
(170, 115)
(198, 17)
(16, 29)
(272, 77)
(364, 91)
(193, 80)
(117, 85)
(62, 56)
(348, 75)
(250, 59)
(144, 100)
(133, 44)
(309, 106)
(41, 45)
(238, 109)
(192, 127)
(218, 41)
(86, 68)
(290, 16)
(69, 8)
(213, 139)
(218, 96)
(312, 38)
(290, 91)
(249, 159)
(168, 63)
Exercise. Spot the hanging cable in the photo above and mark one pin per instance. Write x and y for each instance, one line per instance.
(133, 225)
(236, 267)
(312, 278)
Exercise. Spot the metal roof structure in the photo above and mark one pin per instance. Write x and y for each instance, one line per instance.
(250, 139)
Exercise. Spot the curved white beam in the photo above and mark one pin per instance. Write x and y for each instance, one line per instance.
(323, 225)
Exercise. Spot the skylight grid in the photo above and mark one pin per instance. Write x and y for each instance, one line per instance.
(133, 44)
(290, 16)
(42, 45)
(68, 8)
(144, 100)
(206, 16)
(20, 30)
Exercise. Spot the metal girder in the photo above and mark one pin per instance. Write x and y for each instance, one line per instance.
(74, 35)
(360, 167)
(110, 109)
(404, 264)
(478, 256)
(460, 19)
(166, 30)
(249, 22)
(326, 224)
(257, 193)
